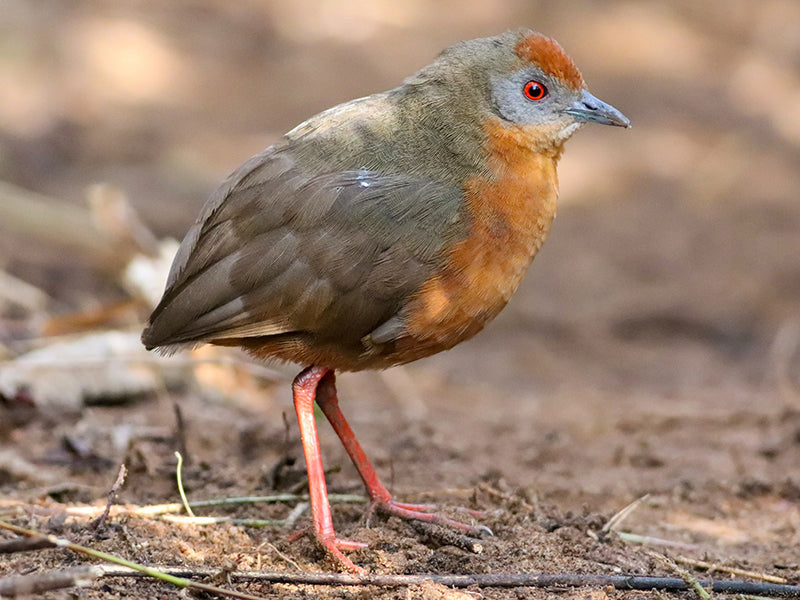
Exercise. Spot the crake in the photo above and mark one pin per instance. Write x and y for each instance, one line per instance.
(382, 231)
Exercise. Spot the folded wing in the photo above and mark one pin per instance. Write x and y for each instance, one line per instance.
(332, 255)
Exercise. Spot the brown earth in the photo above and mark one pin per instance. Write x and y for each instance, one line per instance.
(654, 348)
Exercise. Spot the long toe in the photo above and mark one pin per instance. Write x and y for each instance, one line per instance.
(423, 508)
(423, 512)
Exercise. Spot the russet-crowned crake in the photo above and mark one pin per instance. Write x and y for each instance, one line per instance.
(381, 231)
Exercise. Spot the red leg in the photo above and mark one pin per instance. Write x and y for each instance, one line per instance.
(305, 389)
(379, 495)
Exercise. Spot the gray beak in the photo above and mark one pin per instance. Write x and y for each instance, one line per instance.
(589, 108)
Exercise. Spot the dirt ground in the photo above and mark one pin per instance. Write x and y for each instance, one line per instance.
(652, 352)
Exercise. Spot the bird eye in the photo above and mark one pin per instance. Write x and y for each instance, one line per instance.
(534, 90)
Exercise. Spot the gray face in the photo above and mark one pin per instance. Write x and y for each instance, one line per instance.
(514, 104)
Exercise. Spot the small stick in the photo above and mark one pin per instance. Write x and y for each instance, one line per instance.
(635, 538)
(24, 545)
(280, 555)
(36, 583)
(152, 510)
(156, 509)
(701, 564)
(615, 521)
(100, 522)
(180, 485)
(485, 580)
(695, 585)
(448, 536)
(22, 293)
(295, 513)
(58, 224)
(185, 520)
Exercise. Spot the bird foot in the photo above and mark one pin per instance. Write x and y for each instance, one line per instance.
(334, 546)
(425, 512)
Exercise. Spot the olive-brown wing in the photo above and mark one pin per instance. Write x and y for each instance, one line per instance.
(332, 255)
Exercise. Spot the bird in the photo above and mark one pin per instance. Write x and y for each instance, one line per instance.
(381, 231)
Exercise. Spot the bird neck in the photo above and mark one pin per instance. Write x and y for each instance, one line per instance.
(522, 188)
(512, 144)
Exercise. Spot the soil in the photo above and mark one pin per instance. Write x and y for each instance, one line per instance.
(653, 351)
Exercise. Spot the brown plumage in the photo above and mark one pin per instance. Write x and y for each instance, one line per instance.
(383, 230)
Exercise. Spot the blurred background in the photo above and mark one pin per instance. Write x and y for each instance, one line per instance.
(671, 275)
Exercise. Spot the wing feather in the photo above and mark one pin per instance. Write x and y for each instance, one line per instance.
(276, 251)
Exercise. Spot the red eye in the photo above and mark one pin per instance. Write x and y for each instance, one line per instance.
(534, 90)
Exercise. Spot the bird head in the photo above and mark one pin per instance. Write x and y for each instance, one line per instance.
(521, 78)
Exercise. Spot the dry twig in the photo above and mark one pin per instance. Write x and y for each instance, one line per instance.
(690, 579)
(153, 510)
(701, 564)
(100, 522)
(446, 536)
(280, 555)
(24, 545)
(635, 538)
(614, 522)
(487, 580)
(195, 520)
(36, 583)
(44, 219)
(21, 293)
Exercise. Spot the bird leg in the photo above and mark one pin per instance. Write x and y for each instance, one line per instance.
(380, 498)
(304, 389)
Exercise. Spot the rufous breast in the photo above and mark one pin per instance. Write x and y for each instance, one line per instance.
(510, 214)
